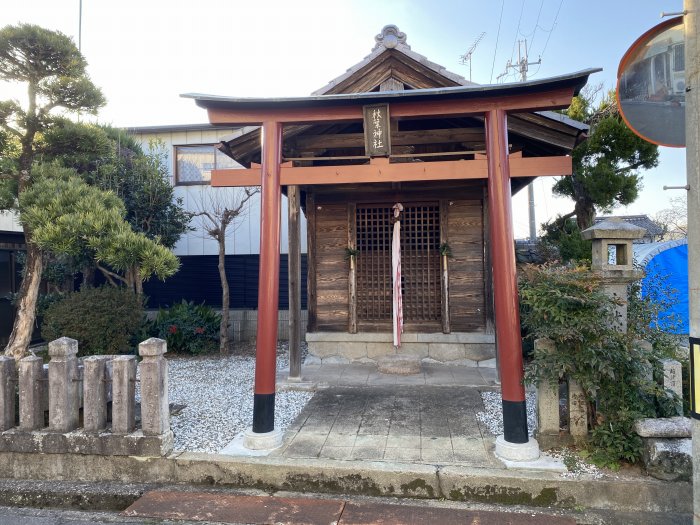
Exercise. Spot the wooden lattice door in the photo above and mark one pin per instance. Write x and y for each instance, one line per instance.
(420, 263)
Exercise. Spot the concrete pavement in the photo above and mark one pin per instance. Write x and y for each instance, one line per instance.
(417, 424)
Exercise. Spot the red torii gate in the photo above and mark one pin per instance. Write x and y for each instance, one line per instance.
(493, 103)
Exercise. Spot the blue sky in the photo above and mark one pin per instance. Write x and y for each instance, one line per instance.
(144, 53)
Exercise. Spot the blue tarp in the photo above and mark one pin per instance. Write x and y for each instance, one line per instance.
(666, 267)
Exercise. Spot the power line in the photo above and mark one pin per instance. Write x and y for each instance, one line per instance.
(549, 34)
(517, 31)
(554, 24)
(500, 19)
(537, 23)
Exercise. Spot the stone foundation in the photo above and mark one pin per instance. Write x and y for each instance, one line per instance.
(466, 349)
(81, 442)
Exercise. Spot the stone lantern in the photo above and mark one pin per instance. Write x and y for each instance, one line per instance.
(613, 258)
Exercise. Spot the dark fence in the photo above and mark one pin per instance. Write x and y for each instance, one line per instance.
(198, 281)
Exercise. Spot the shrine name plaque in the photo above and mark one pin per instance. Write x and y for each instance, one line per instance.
(377, 130)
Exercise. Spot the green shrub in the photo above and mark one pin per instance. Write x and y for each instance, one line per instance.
(103, 320)
(562, 240)
(567, 305)
(188, 328)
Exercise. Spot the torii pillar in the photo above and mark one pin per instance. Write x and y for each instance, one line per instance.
(514, 444)
(263, 434)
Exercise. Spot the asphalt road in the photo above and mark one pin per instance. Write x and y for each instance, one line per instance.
(27, 516)
(73, 503)
(662, 123)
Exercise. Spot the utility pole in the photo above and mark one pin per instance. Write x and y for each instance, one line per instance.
(692, 161)
(522, 66)
(80, 26)
(531, 211)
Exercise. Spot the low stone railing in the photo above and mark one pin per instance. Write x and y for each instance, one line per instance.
(69, 384)
(550, 432)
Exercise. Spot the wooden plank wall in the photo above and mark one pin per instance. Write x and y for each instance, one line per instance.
(331, 266)
(328, 308)
(465, 233)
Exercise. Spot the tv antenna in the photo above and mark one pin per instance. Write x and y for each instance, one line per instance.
(467, 57)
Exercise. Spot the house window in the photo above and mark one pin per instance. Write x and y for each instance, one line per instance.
(193, 164)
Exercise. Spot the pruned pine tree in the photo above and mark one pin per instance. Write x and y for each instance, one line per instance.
(112, 160)
(607, 165)
(69, 217)
(53, 71)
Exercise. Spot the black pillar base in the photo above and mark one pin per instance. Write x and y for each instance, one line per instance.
(515, 422)
(263, 413)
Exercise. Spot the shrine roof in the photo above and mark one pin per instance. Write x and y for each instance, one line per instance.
(572, 80)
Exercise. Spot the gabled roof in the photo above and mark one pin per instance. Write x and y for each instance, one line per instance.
(391, 47)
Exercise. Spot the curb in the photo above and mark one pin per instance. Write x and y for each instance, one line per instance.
(458, 483)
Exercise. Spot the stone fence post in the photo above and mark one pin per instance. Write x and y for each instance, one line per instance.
(8, 380)
(547, 404)
(155, 412)
(578, 413)
(57, 388)
(123, 394)
(31, 393)
(548, 428)
(64, 385)
(673, 379)
(95, 389)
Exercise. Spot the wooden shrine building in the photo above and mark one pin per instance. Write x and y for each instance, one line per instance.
(399, 129)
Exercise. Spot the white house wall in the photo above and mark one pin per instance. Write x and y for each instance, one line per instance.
(9, 222)
(245, 237)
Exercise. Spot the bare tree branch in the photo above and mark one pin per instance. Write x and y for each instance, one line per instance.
(674, 220)
(218, 209)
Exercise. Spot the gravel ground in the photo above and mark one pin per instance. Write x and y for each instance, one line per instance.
(575, 463)
(492, 416)
(218, 394)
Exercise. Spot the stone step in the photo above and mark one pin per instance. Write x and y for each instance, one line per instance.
(402, 365)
